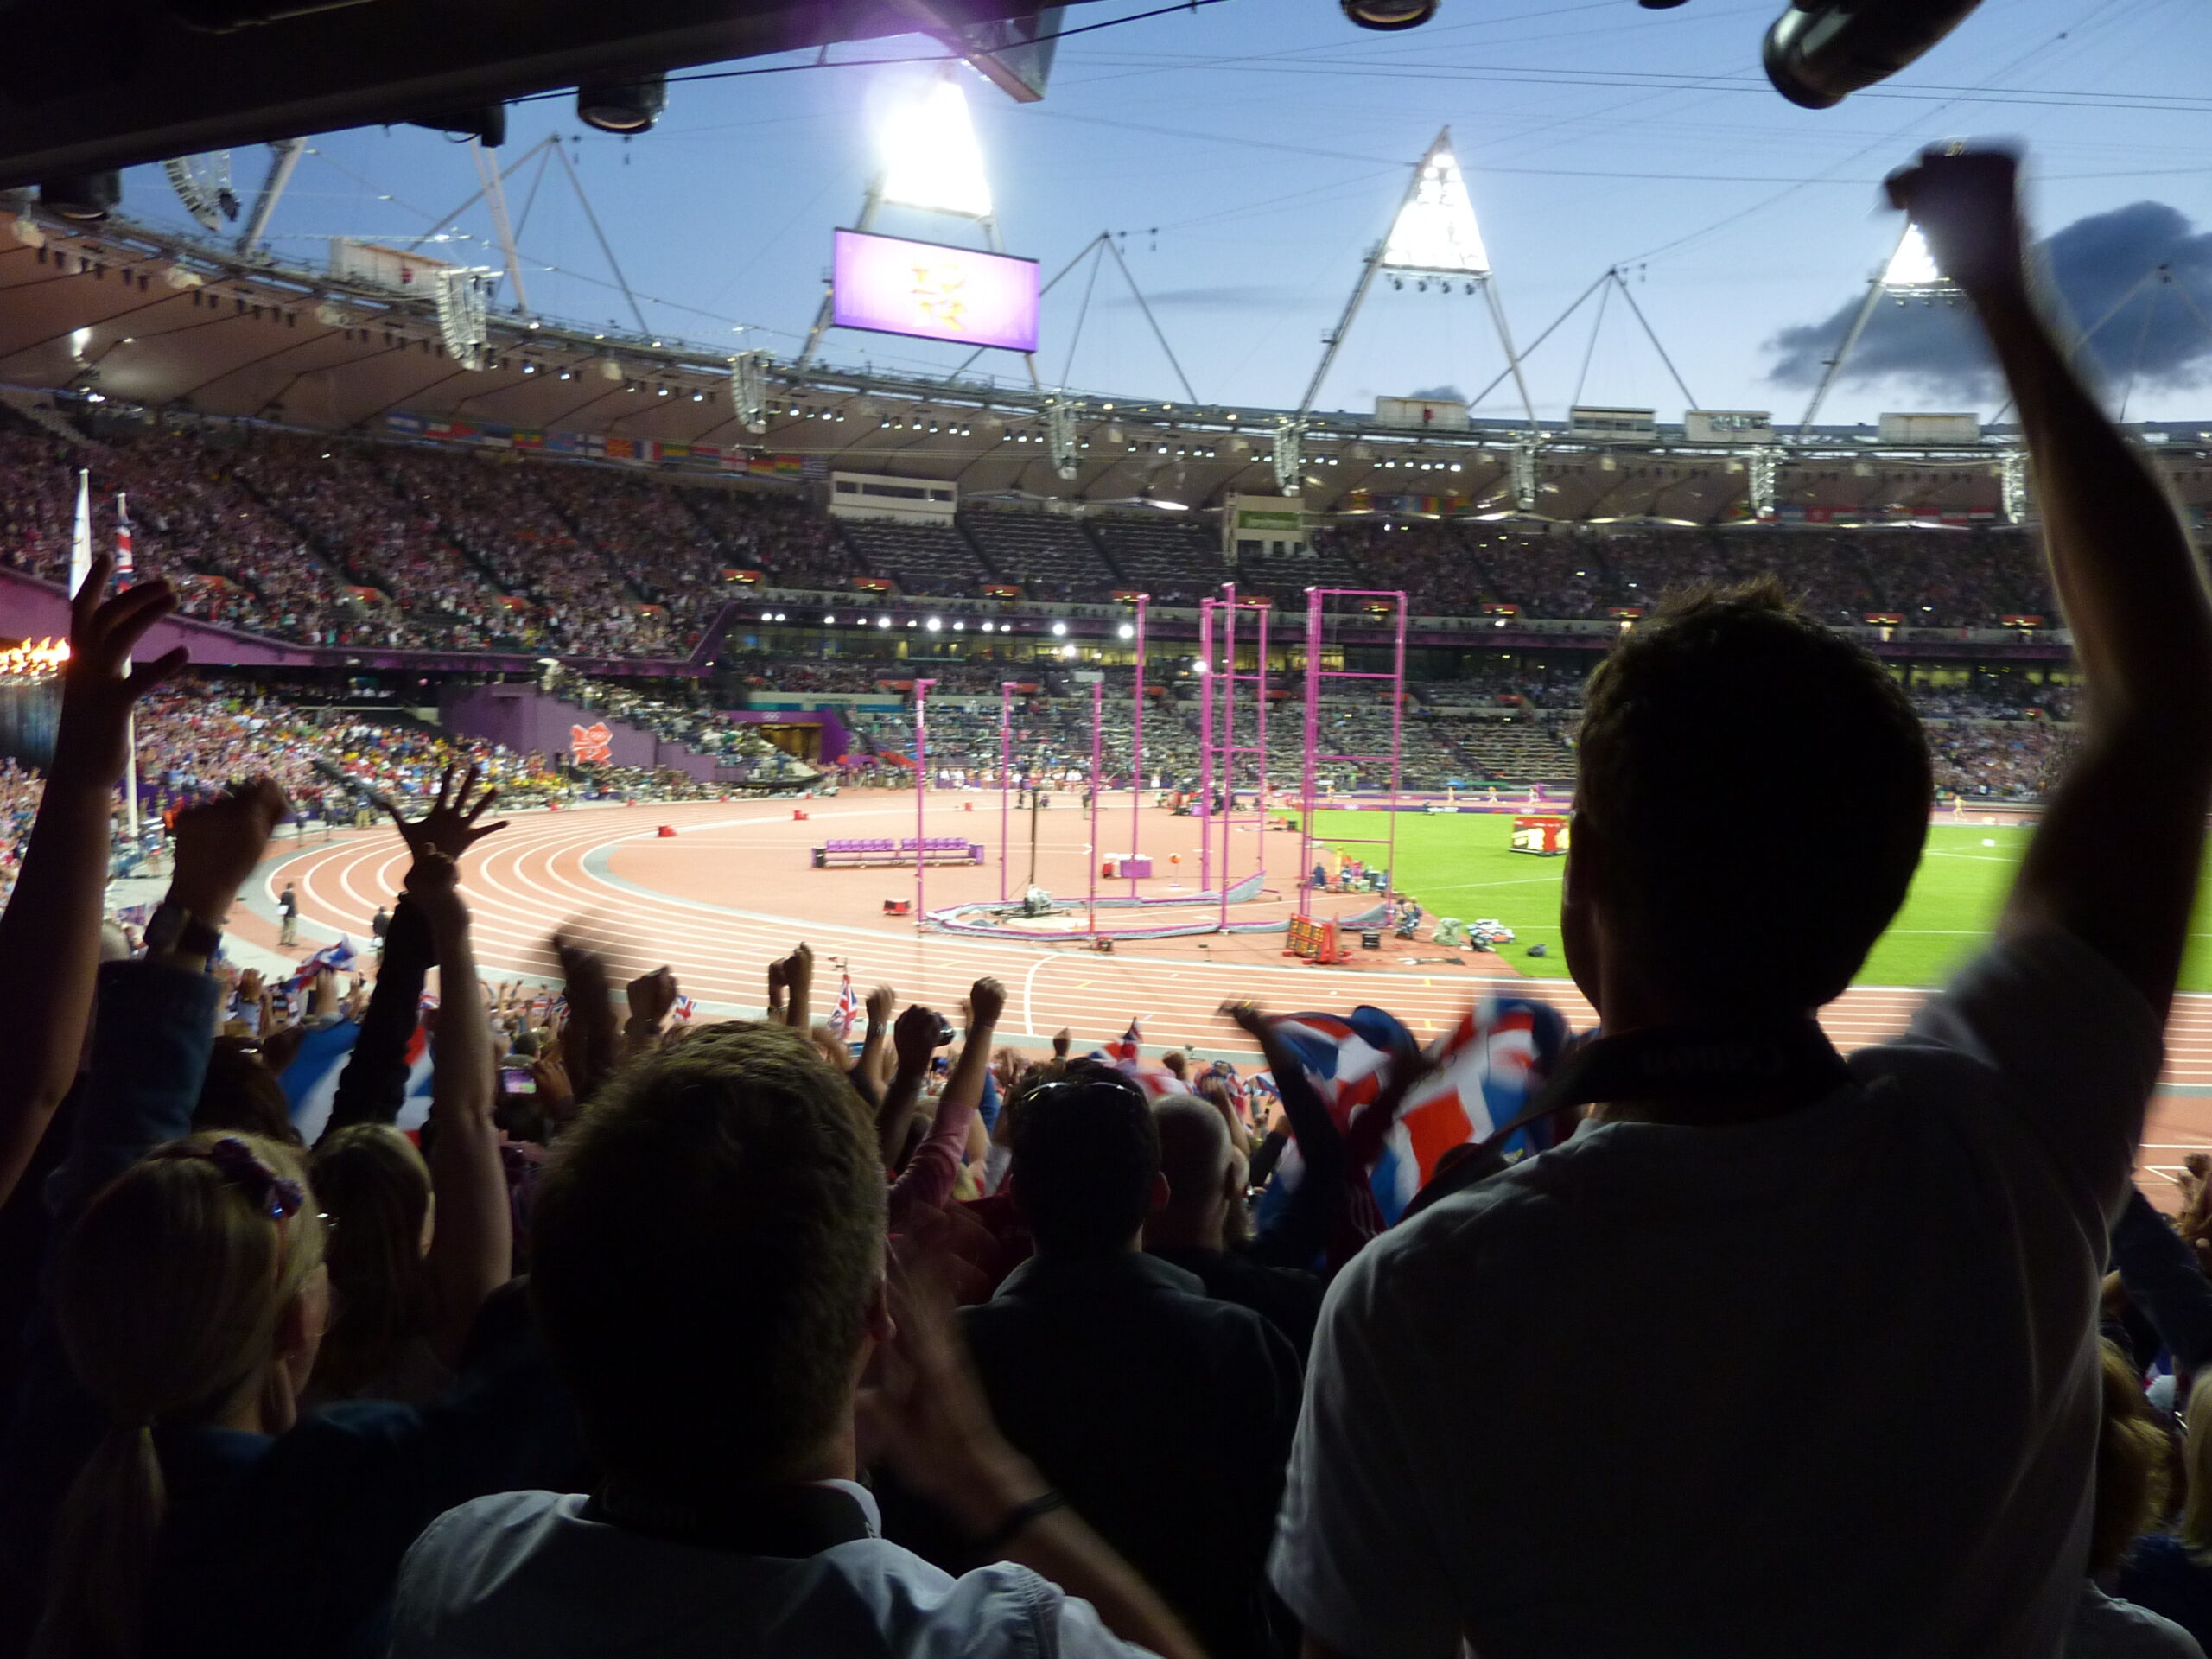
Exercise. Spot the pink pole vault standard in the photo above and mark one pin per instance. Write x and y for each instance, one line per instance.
(1260, 720)
(1228, 738)
(1205, 743)
(921, 792)
(1006, 777)
(1315, 605)
(1136, 749)
(1097, 721)
(1307, 791)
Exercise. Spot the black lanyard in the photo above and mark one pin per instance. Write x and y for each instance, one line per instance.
(791, 1522)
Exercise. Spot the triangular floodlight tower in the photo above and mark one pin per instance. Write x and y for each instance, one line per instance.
(932, 163)
(1910, 273)
(1434, 236)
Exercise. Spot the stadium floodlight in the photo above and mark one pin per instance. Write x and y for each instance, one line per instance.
(1433, 235)
(1435, 230)
(1912, 266)
(1059, 628)
(930, 157)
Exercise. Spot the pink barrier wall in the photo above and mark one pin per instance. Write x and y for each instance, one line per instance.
(32, 609)
(526, 719)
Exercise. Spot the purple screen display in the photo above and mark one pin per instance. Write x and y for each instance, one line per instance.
(895, 287)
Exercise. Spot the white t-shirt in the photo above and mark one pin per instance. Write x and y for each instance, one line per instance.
(525, 1575)
(2105, 1628)
(1820, 1384)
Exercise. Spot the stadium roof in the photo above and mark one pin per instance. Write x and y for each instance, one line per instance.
(145, 320)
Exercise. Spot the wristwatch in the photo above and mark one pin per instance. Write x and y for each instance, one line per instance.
(174, 928)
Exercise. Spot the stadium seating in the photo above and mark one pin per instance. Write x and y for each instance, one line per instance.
(920, 558)
(1048, 556)
(1173, 562)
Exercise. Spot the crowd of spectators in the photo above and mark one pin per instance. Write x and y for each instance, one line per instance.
(345, 541)
(446, 1319)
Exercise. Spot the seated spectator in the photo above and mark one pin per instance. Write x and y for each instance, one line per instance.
(1205, 1204)
(2170, 1573)
(709, 1276)
(1165, 1415)
(2130, 1490)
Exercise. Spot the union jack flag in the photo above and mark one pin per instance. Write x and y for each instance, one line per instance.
(685, 1007)
(847, 1011)
(123, 565)
(1126, 1051)
(336, 957)
(1489, 1065)
(1125, 1055)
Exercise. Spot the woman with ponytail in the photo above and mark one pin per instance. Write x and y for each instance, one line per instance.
(191, 1298)
(206, 1512)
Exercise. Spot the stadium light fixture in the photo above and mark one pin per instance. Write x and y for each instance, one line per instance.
(1912, 266)
(882, 621)
(828, 621)
(931, 160)
(1059, 628)
(1435, 230)
(1126, 632)
(933, 625)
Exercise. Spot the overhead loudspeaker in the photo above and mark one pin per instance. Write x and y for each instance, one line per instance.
(624, 106)
(1820, 52)
(87, 198)
(1388, 15)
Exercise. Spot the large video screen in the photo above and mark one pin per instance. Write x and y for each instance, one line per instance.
(891, 286)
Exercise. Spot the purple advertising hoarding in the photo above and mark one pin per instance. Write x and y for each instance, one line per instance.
(892, 286)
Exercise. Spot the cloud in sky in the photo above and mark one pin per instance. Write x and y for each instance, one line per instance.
(2155, 339)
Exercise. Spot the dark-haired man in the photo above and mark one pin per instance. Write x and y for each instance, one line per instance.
(1165, 1415)
(709, 1254)
(1783, 1354)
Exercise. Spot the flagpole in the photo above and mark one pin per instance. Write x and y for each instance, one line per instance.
(124, 569)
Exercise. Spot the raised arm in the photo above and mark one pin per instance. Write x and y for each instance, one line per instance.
(2116, 859)
(156, 1021)
(373, 1086)
(50, 931)
(471, 1244)
(929, 1176)
(914, 1040)
(799, 974)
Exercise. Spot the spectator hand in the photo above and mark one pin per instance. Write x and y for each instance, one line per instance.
(914, 1038)
(651, 996)
(1967, 206)
(924, 1411)
(449, 827)
(91, 745)
(985, 1002)
(218, 844)
(880, 1001)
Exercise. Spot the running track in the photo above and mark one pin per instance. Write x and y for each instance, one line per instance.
(548, 869)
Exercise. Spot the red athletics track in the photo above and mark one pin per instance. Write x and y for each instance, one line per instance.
(736, 887)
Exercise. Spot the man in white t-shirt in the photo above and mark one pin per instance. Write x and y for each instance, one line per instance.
(1779, 1355)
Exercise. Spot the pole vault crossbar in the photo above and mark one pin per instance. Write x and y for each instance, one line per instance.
(1317, 617)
